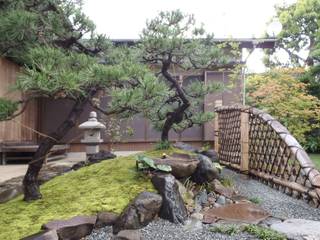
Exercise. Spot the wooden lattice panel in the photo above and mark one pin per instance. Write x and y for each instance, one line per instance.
(229, 136)
(275, 156)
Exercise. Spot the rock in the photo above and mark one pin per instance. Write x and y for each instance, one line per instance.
(202, 198)
(182, 189)
(128, 235)
(181, 167)
(79, 165)
(139, 212)
(210, 154)
(72, 229)
(102, 155)
(44, 235)
(221, 200)
(46, 176)
(269, 221)
(298, 229)
(185, 147)
(198, 216)
(238, 212)
(205, 171)
(105, 219)
(193, 224)
(173, 208)
(10, 193)
(222, 190)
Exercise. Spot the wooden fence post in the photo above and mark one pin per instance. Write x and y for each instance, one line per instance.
(217, 103)
(244, 139)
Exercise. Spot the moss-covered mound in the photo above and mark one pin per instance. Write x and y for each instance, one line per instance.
(106, 186)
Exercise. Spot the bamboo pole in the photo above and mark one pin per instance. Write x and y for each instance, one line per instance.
(244, 139)
(217, 103)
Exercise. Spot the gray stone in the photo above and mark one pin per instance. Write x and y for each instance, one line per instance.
(193, 224)
(269, 221)
(128, 235)
(206, 171)
(202, 198)
(101, 155)
(196, 215)
(173, 208)
(298, 229)
(10, 193)
(210, 154)
(139, 212)
(221, 200)
(45, 235)
(106, 219)
(72, 229)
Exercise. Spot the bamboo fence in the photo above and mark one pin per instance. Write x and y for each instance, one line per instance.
(255, 143)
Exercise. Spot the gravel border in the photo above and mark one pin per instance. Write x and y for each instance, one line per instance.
(275, 202)
(161, 229)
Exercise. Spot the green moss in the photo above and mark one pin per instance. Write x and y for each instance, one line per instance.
(106, 186)
(263, 233)
(226, 229)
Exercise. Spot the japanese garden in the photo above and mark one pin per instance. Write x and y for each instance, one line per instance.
(162, 136)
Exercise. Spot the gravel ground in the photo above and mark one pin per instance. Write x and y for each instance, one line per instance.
(278, 204)
(161, 230)
(275, 202)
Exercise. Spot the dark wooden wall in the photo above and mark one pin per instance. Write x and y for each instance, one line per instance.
(52, 113)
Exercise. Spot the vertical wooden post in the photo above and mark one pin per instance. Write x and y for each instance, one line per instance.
(217, 103)
(244, 139)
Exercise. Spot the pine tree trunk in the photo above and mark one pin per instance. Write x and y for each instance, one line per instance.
(30, 181)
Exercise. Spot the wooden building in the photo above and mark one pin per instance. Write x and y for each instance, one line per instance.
(45, 115)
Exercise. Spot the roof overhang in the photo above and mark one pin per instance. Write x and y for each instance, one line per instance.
(243, 42)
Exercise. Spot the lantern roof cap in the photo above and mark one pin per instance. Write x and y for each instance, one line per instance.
(92, 122)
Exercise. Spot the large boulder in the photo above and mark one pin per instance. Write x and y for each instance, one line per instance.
(212, 154)
(206, 171)
(298, 229)
(173, 208)
(139, 212)
(72, 229)
(102, 155)
(182, 165)
(10, 193)
(44, 235)
(106, 219)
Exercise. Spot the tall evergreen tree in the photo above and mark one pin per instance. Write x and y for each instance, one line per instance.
(173, 42)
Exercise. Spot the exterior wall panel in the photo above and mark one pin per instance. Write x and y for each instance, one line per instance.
(20, 128)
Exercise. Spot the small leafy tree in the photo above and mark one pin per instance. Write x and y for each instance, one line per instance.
(47, 38)
(300, 38)
(279, 93)
(172, 42)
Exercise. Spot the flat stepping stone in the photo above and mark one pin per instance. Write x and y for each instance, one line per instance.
(237, 212)
(299, 229)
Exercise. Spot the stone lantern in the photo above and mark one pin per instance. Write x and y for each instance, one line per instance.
(92, 134)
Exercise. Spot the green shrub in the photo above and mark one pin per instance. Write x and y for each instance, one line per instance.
(162, 145)
(226, 229)
(263, 233)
